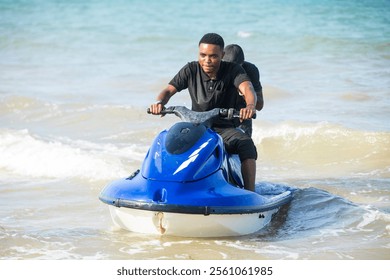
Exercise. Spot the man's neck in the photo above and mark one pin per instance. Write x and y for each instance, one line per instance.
(213, 75)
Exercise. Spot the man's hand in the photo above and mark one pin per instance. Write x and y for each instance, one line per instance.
(156, 108)
(247, 112)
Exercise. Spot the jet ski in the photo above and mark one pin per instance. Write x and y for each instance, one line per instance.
(189, 186)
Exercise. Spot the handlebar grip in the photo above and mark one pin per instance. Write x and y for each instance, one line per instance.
(163, 111)
(232, 113)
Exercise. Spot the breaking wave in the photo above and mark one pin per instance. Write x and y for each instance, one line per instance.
(323, 149)
(29, 155)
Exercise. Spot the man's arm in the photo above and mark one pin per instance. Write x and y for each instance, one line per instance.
(162, 99)
(260, 100)
(249, 94)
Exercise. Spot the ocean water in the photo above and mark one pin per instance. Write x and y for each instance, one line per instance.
(76, 78)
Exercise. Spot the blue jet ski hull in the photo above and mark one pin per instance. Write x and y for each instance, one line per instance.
(210, 207)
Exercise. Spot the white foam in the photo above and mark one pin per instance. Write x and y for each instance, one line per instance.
(370, 217)
(244, 34)
(29, 155)
(287, 130)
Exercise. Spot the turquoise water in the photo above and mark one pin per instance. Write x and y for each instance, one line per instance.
(76, 77)
(333, 55)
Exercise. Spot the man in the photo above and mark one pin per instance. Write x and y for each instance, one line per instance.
(234, 53)
(213, 83)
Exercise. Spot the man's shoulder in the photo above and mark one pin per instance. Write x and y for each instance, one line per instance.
(193, 65)
(229, 65)
(231, 68)
(190, 68)
(249, 66)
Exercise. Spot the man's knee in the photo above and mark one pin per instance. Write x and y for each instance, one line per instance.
(247, 149)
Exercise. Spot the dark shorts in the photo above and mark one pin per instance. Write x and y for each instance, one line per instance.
(247, 126)
(238, 142)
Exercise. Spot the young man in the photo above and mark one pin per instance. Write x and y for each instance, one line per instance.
(213, 83)
(234, 53)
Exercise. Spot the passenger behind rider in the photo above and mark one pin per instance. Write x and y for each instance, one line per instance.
(213, 83)
(234, 53)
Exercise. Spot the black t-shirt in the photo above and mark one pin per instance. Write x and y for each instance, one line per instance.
(254, 75)
(207, 94)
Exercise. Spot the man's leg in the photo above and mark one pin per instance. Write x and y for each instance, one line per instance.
(248, 171)
(236, 141)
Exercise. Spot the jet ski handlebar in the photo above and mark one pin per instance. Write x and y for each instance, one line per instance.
(188, 115)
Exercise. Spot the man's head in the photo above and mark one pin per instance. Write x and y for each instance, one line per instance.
(213, 39)
(211, 53)
(234, 53)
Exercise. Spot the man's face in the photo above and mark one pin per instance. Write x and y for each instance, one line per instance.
(210, 57)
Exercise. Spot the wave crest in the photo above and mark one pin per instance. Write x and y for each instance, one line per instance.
(31, 156)
(324, 149)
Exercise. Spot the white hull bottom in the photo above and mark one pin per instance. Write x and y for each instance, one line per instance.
(189, 225)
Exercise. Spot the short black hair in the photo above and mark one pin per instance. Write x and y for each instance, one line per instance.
(212, 38)
(234, 53)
